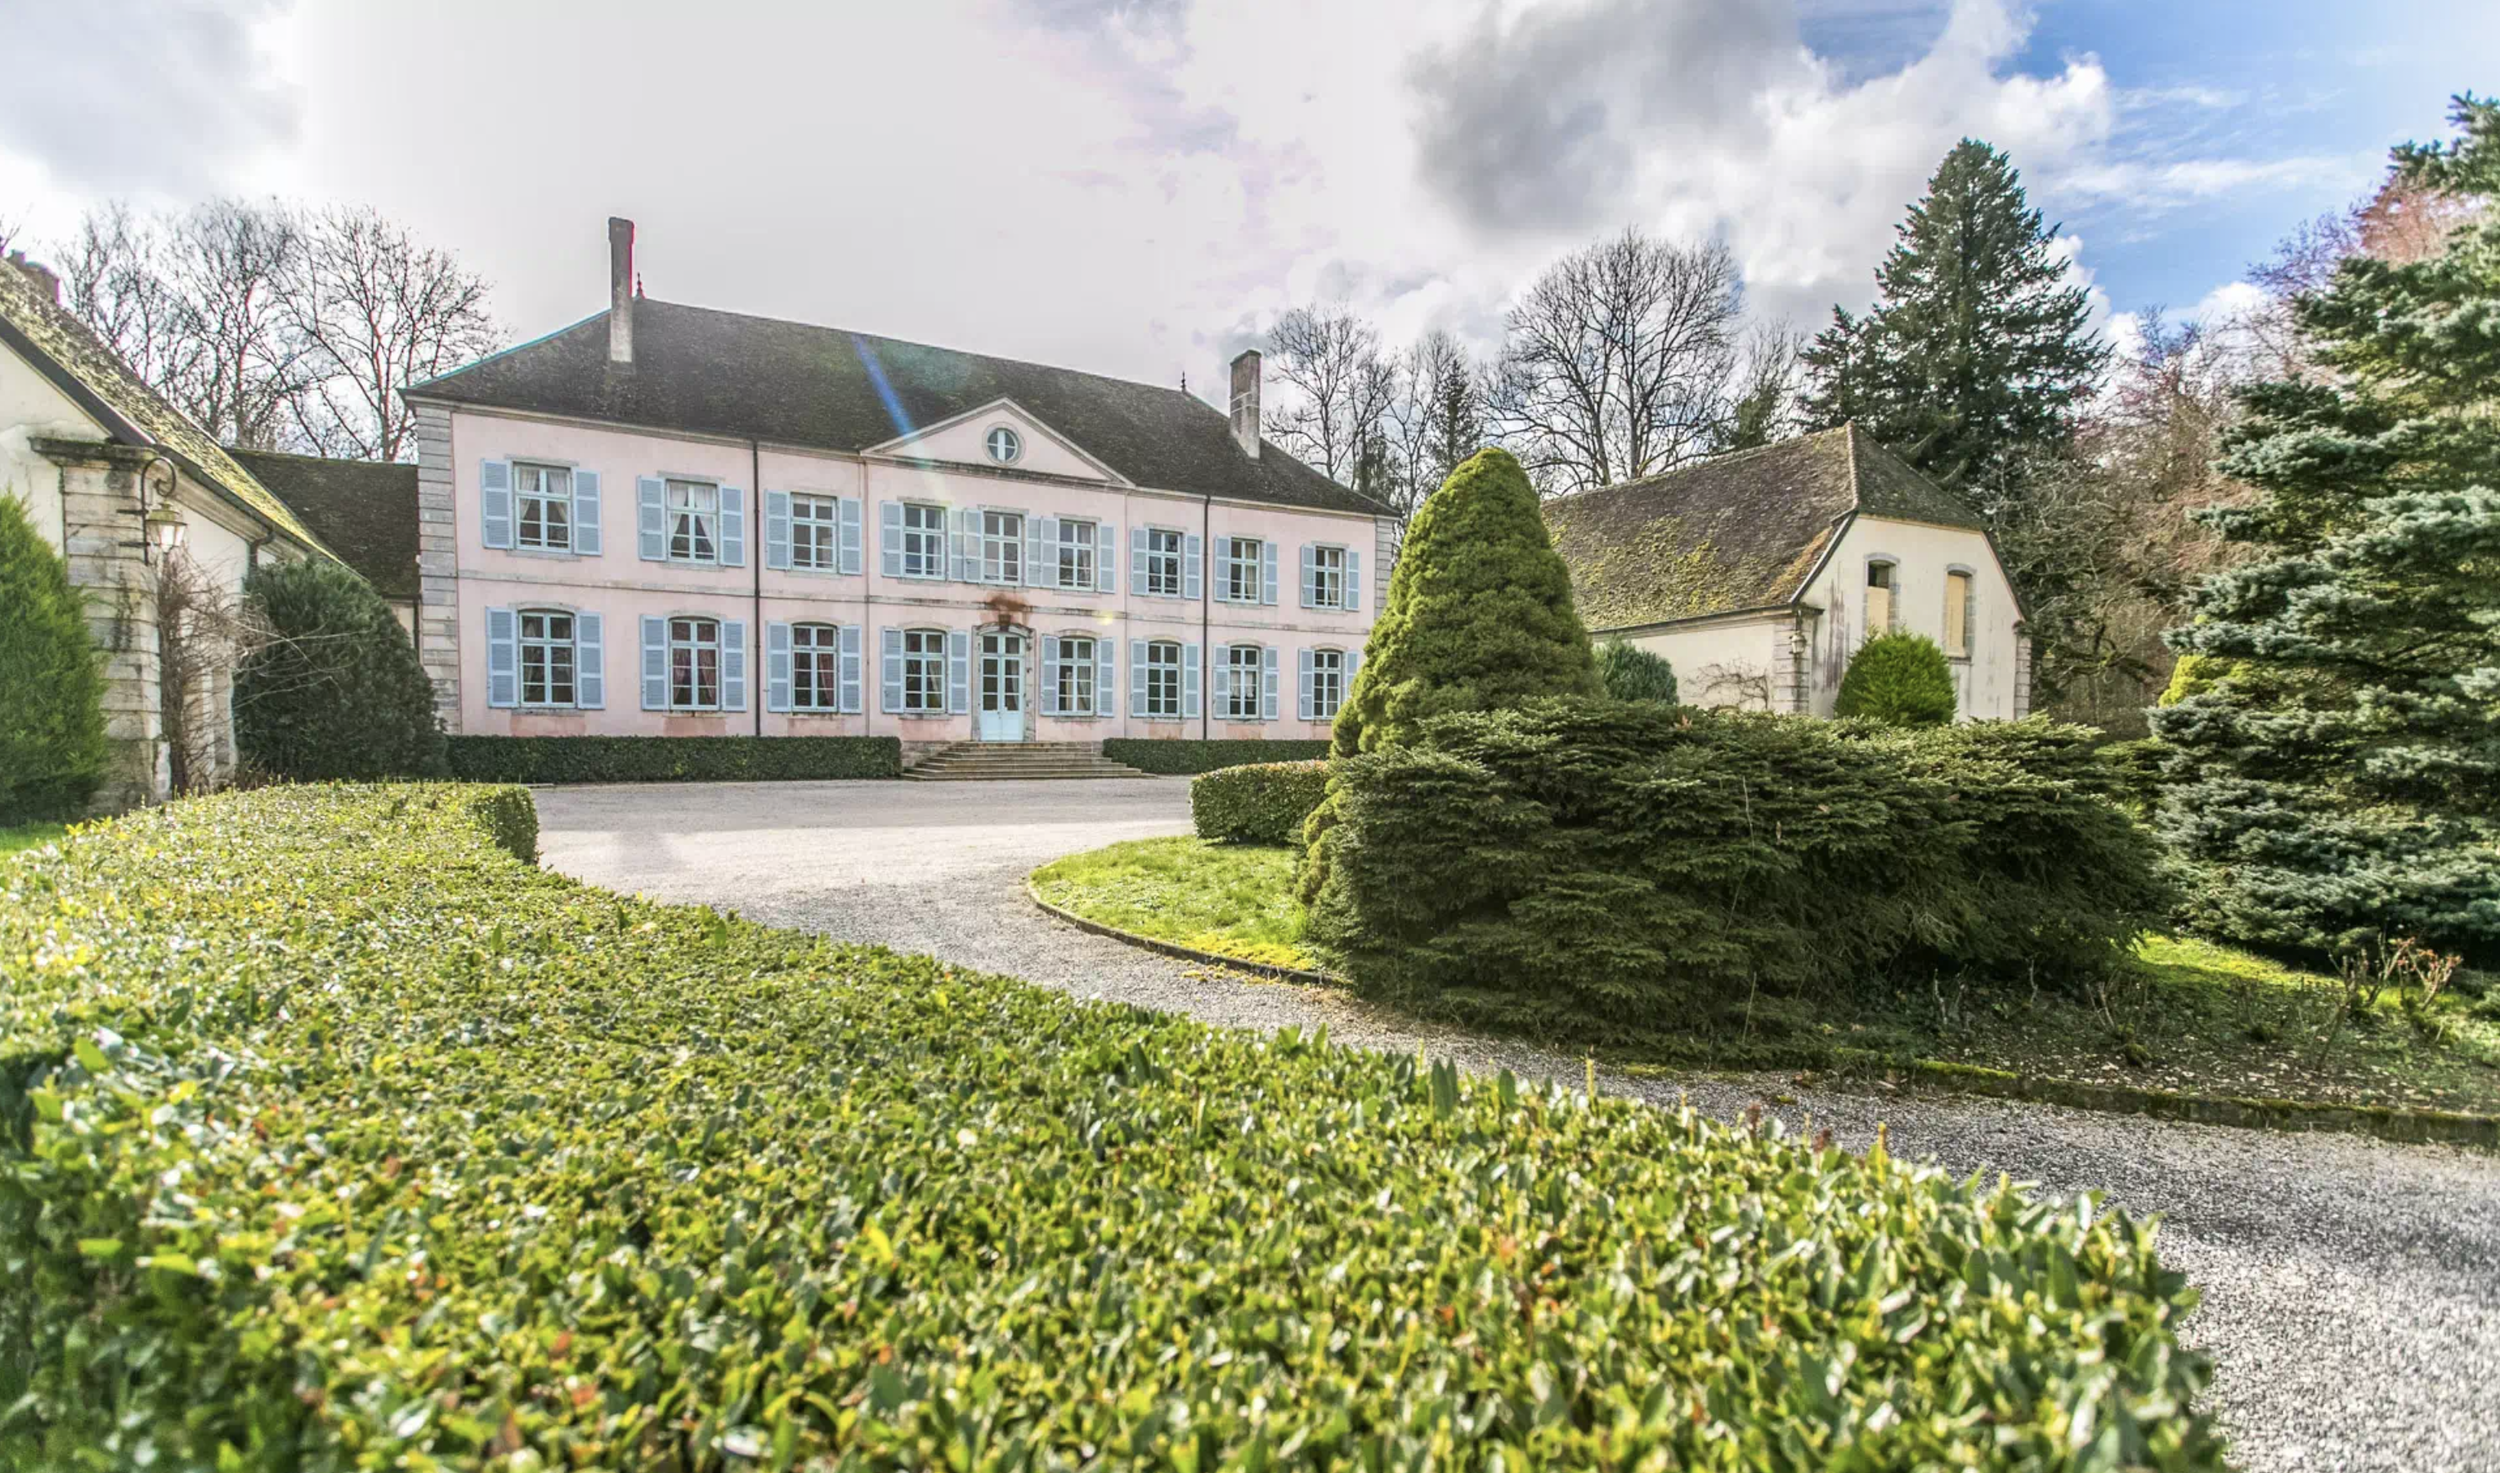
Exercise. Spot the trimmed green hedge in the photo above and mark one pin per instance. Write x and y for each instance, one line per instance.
(1264, 803)
(1171, 757)
(1614, 868)
(350, 1141)
(601, 759)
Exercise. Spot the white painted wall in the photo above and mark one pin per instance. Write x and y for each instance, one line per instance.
(1725, 662)
(31, 408)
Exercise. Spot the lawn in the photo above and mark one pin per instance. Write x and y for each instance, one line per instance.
(14, 838)
(2190, 1016)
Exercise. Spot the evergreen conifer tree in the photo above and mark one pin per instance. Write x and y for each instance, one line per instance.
(2342, 767)
(52, 746)
(337, 690)
(1977, 353)
(1899, 680)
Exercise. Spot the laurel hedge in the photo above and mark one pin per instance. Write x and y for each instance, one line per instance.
(1171, 757)
(340, 1138)
(625, 759)
(1264, 803)
(1617, 868)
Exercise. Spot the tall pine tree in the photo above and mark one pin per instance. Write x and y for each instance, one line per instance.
(2344, 770)
(1977, 354)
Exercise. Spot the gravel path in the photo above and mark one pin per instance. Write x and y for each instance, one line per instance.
(2352, 1287)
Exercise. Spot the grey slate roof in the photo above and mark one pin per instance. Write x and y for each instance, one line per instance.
(364, 510)
(1734, 532)
(790, 383)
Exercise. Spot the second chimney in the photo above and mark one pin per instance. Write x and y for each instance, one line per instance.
(620, 290)
(1246, 402)
(42, 275)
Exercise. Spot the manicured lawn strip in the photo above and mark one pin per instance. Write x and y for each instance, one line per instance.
(347, 1140)
(28, 836)
(1232, 900)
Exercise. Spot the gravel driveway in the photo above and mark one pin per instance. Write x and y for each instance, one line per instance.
(2352, 1287)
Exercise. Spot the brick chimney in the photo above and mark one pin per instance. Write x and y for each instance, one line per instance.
(41, 274)
(620, 290)
(1246, 402)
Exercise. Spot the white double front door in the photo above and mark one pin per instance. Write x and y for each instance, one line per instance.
(1000, 716)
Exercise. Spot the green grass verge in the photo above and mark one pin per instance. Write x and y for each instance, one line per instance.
(340, 1137)
(1231, 900)
(28, 836)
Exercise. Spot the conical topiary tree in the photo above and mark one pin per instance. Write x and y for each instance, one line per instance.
(1479, 614)
(337, 690)
(52, 747)
(1899, 680)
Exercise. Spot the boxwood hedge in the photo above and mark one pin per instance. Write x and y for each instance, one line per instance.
(1263, 803)
(341, 1139)
(602, 759)
(1178, 758)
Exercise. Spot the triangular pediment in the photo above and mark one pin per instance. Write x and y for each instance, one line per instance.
(969, 440)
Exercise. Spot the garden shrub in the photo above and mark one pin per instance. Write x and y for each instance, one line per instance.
(52, 748)
(1630, 673)
(352, 1142)
(334, 689)
(636, 759)
(1175, 757)
(1612, 868)
(1899, 680)
(1265, 803)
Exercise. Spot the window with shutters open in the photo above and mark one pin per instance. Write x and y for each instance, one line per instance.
(815, 533)
(542, 503)
(924, 540)
(1957, 615)
(1243, 664)
(549, 659)
(1076, 676)
(1077, 546)
(1242, 557)
(815, 667)
(1327, 684)
(694, 665)
(1002, 547)
(924, 672)
(1163, 679)
(1163, 562)
(693, 522)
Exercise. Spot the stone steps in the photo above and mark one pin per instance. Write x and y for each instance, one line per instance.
(1016, 762)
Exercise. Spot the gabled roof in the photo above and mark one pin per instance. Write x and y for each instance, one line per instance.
(700, 371)
(364, 510)
(94, 377)
(1735, 532)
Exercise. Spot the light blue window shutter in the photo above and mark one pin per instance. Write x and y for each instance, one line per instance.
(503, 659)
(1137, 558)
(1106, 552)
(846, 519)
(958, 671)
(776, 529)
(1041, 540)
(1267, 573)
(1353, 581)
(1050, 676)
(1310, 576)
(1106, 667)
(654, 663)
(590, 662)
(776, 666)
(1193, 555)
(1267, 683)
(1137, 678)
(1308, 706)
(1189, 682)
(890, 675)
(967, 536)
(585, 513)
(733, 664)
(733, 527)
(890, 539)
(651, 519)
(847, 669)
(494, 503)
(1220, 680)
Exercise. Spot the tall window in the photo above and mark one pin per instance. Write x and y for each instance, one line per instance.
(693, 522)
(1241, 569)
(1328, 577)
(812, 532)
(1242, 694)
(1879, 611)
(1957, 615)
(1076, 676)
(815, 667)
(924, 540)
(1163, 679)
(924, 671)
(1163, 562)
(1327, 683)
(1002, 547)
(1076, 553)
(547, 662)
(693, 664)
(543, 502)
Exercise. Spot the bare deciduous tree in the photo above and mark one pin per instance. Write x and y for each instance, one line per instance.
(379, 311)
(1340, 389)
(1435, 420)
(1618, 360)
(1770, 384)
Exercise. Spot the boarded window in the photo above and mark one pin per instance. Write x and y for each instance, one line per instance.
(1957, 615)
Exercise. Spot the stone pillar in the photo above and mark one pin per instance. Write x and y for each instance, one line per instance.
(103, 537)
(438, 563)
(1789, 678)
(2022, 672)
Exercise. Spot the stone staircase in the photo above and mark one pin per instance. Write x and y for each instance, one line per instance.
(1016, 761)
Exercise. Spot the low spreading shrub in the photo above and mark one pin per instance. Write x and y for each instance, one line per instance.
(1899, 680)
(1260, 804)
(347, 1141)
(1617, 868)
(1170, 758)
(602, 759)
(1630, 673)
(52, 746)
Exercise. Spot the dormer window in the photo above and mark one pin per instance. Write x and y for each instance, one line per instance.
(1005, 445)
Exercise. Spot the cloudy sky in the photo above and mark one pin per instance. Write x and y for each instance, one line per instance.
(1138, 186)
